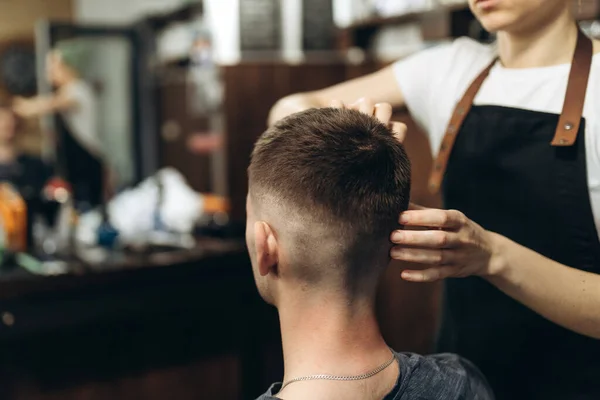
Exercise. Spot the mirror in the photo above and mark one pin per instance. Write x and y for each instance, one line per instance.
(91, 74)
(104, 72)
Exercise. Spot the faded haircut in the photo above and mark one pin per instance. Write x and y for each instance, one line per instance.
(337, 180)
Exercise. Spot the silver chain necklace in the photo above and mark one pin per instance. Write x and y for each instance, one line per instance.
(326, 377)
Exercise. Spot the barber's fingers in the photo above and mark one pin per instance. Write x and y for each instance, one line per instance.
(434, 218)
(364, 105)
(425, 239)
(337, 104)
(430, 274)
(383, 112)
(399, 130)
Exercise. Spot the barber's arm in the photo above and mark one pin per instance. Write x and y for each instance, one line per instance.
(379, 85)
(42, 105)
(454, 246)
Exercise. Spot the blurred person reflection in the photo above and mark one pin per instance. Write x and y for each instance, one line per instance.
(80, 151)
(29, 174)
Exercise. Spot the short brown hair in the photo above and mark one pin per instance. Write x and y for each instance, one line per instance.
(336, 167)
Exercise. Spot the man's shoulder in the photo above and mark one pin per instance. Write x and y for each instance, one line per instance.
(266, 397)
(441, 376)
(269, 395)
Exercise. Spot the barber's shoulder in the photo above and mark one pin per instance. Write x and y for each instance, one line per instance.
(448, 67)
(593, 93)
(466, 43)
(446, 375)
(596, 59)
(469, 54)
(457, 62)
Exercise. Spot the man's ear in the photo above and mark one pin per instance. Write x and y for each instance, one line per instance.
(266, 248)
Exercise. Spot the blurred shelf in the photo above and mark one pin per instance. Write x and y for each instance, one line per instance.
(586, 10)
(379, 22)
(459, 16)
(182, 14)
(590, 10)
(438, 23)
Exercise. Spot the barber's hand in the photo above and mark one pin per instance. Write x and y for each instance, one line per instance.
(290, 105)
(447, 242)
(381, 111)
(23, 107)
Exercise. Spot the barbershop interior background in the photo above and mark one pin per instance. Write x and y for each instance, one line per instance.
(131, 280)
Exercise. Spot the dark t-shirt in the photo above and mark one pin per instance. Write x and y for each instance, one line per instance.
(440, 376)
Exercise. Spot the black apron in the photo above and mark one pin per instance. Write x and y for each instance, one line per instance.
(522, 174)
(80, 168)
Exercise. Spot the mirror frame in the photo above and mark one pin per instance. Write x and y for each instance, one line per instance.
(50, 32)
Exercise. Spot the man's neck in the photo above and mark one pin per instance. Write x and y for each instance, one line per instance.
(550, 44)
(323, 334)
(7, 153)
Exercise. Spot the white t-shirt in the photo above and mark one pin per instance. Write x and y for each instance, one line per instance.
(434, 80)
(81, 119)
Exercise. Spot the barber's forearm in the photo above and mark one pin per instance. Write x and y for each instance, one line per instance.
(292, 104)
(564, 295)
(41, 105)
(50, 104)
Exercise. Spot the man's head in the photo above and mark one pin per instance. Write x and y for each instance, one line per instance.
(325, 190)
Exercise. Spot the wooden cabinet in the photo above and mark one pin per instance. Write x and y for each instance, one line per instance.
(18, 17)
(177, 125)
(251, 89)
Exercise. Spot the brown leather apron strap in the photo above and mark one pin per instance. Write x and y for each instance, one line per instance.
(458, 116)
(568, 125)
(570, 117)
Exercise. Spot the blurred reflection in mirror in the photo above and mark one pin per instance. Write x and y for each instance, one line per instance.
(26, 173)
(204, 76)
(91, 103)
(206, 101)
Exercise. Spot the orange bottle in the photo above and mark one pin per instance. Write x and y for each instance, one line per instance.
(214, 204)
(13, 213)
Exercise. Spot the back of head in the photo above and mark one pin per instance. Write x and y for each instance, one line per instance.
(331, 183)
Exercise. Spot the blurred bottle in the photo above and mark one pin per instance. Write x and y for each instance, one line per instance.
(57, 237)
(591, 28)
(13, 213)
